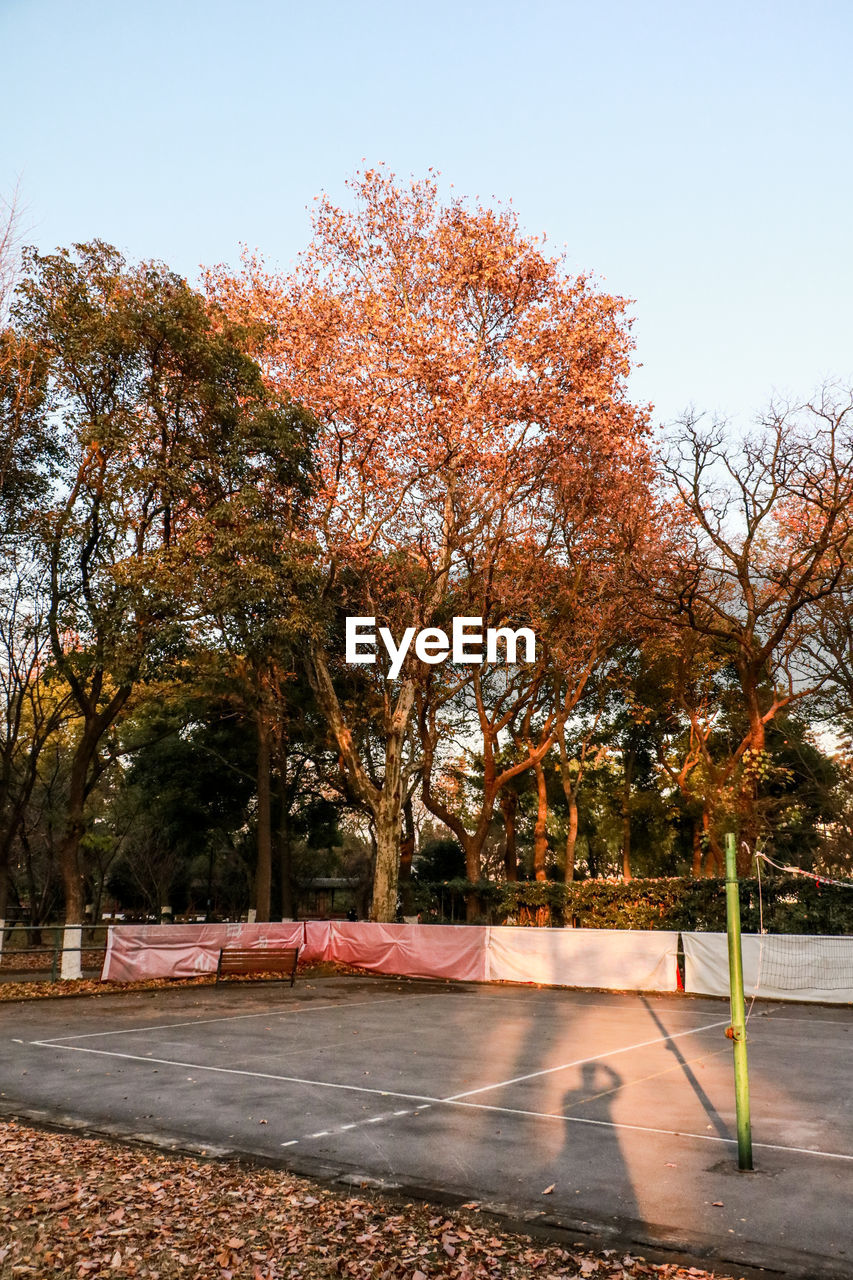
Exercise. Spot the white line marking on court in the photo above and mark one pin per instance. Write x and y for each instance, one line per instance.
(235, 1071)
(770, 1016)
(235, 1017)
(565, 1066)
(293, 1142)
(455, 1101)
(360, 1124)
(640, 1128)
(599, 1124)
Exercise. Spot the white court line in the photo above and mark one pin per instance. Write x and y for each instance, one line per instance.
(281, 1010)
(236, 1017)
(360, 1124)
(665, 1004)
(600, 1124)
(612, 1007)
(610, 1053)
(641, 1128)
(769, 1017)
(455, 1101)
(233, 1071)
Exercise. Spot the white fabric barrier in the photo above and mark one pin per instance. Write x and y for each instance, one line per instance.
(417, 951)
(184, 950)
(775, 966)
(618, 959)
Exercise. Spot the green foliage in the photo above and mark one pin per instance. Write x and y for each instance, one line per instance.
(181, 803)
(440, 860)
(791, 904)
(28, 452)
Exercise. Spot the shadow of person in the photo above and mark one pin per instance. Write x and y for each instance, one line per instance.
(590, 1168)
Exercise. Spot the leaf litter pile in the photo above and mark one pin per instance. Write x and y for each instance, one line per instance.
(83, 1207)
(13, 990)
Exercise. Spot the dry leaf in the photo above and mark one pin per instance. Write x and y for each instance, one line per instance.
(269, 1224)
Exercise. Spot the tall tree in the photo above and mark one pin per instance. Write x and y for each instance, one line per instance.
(450, 363)
(153, 401)
(763, 539)
(29, 712)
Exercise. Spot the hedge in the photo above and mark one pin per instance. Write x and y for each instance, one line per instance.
(791, 904)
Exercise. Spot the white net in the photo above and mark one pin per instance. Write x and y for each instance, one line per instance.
(792, 962)
(802, 963)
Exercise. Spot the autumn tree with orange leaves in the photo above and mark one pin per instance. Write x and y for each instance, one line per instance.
(453, 367)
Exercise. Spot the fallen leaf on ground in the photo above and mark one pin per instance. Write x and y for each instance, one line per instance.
(191, 1218)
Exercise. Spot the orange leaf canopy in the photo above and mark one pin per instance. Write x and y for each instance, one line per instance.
(465, 384)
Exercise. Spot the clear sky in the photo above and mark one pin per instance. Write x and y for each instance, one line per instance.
(695, 156)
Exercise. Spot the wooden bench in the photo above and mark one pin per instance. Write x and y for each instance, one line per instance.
(243, 960)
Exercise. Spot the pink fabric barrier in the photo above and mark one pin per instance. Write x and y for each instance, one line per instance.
(621, 959)
(184, 950)
(318, 940)
(419, 951)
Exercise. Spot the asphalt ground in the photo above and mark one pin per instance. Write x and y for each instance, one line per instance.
(608, 1114)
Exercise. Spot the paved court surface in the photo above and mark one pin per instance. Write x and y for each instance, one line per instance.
(610, 1114)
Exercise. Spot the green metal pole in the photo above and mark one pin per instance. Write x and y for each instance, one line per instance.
(737, 1031)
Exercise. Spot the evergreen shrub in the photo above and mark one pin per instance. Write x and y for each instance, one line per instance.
(791, 904)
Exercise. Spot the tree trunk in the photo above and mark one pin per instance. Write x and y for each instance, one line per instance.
(69, 849)
(509, 809)
(471, 847)
(388, 825)
(571, 836)
(407, 853)
(82, 776)
(626, 848)
(748, 834)
(263, 874)
(208, 906)
(697, 850)
(383, 908)
(384, 803)
(570, 791)
(4, 890)
(628, 764)
(4, 902)
(714, 858)
(540, 831)
(285, 852)
(71, 967)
